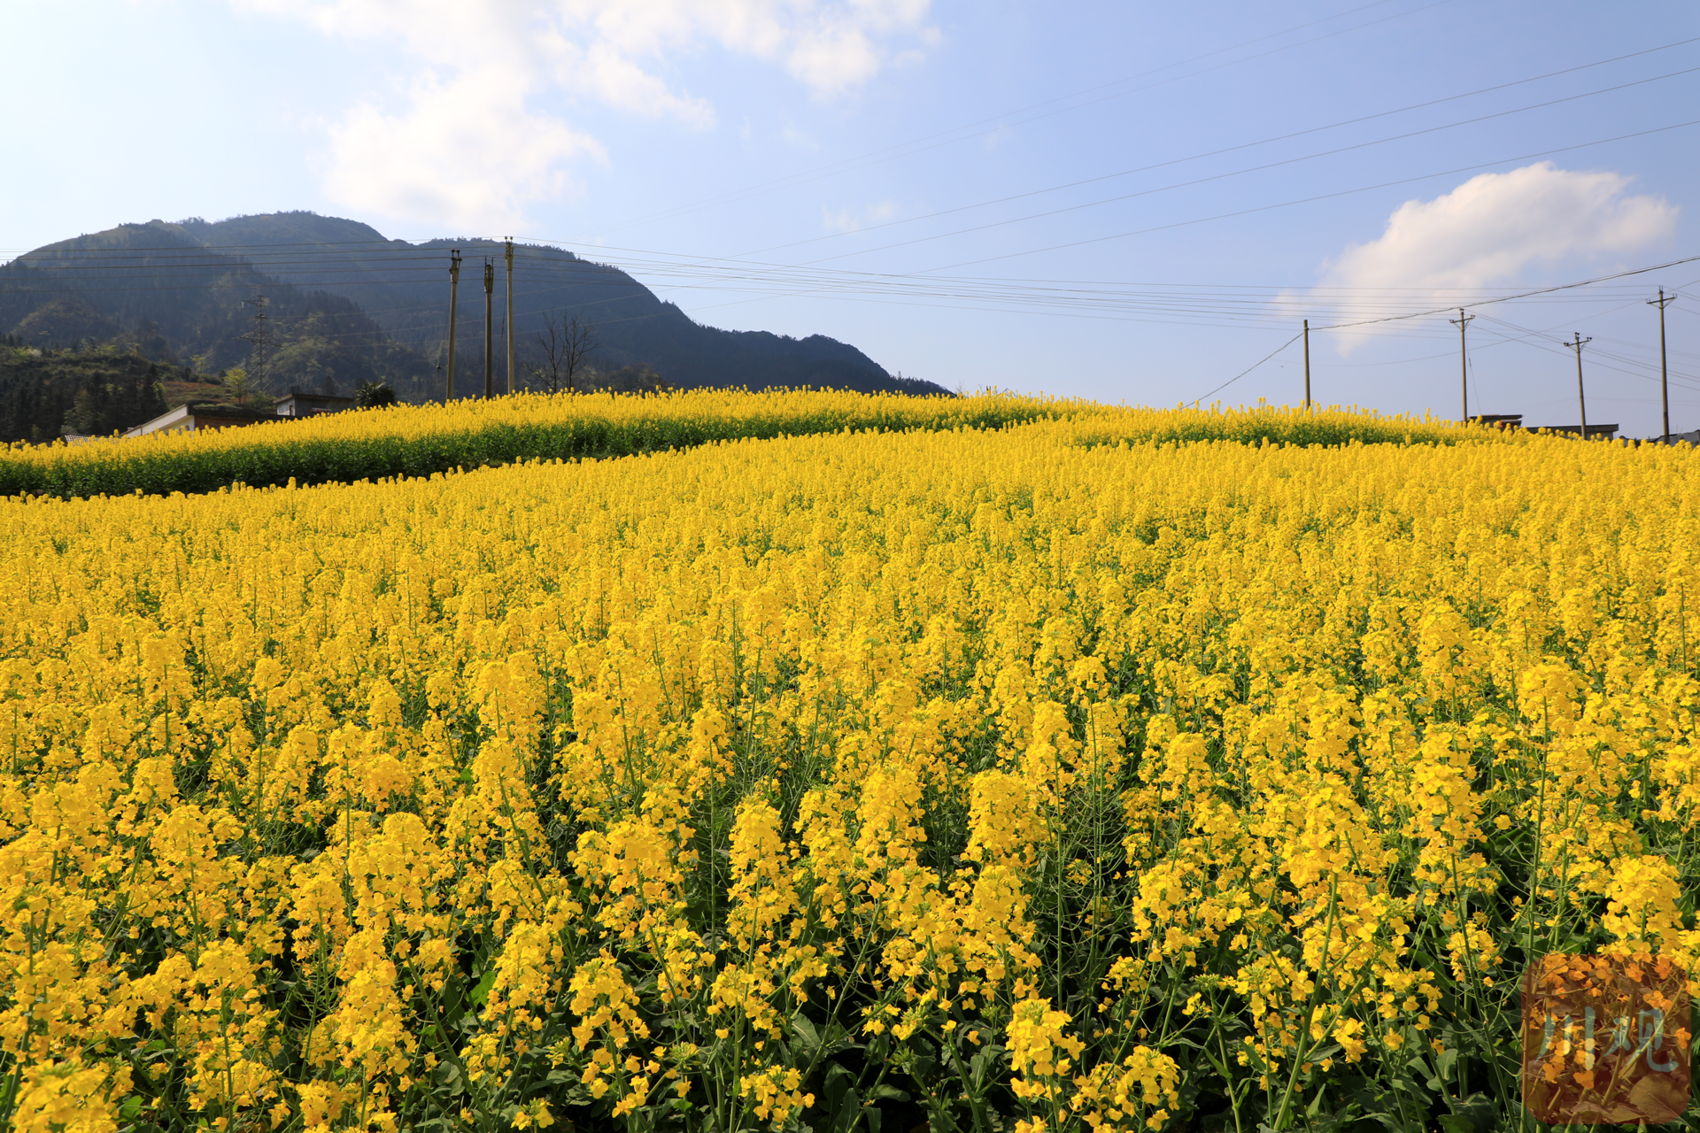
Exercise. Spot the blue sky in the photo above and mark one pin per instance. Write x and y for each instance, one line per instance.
(1131, 201)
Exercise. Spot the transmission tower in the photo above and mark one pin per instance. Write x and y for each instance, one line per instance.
(260, 343)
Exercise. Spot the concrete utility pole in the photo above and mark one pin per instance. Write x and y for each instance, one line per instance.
(1581, 398)
(454, 293)
(510, 327)
(1664, 369)
(489, 341)
(1307, 365)
(1461, 322)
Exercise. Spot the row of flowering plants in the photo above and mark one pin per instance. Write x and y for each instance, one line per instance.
(1040, 778)
(419, 440)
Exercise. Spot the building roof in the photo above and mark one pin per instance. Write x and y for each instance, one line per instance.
(303, 397)
(1593, 430)
(188, 417)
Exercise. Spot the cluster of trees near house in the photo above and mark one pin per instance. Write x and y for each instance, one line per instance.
(96, 388)
(94, 391)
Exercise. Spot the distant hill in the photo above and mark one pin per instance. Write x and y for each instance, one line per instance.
(345, 305)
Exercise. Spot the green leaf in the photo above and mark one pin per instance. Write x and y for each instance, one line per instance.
(1472, 1115)
(482, 991)
(812, 1044)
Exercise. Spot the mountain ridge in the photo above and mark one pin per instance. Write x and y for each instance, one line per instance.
(345, 304)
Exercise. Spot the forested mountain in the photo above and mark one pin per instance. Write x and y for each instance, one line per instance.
(342, 305)
(155, 285)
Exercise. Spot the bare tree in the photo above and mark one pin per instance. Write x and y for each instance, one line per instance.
(567, 343)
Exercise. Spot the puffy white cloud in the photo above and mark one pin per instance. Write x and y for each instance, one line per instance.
(1495, 229)
(465, 153)
(615, 79)
(477, 139)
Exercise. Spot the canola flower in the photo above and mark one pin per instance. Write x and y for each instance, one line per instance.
(417, 440)
(1046, 778)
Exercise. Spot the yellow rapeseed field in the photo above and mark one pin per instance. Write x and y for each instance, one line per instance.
(1045, 778)
(418, 440)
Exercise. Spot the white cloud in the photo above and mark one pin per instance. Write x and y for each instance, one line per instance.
(852, 220)
(474, 144)
(1493, 230)
(465, 154)
(616, 80)
(798, 139)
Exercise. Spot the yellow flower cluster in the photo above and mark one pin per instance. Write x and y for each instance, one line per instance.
(1048, 775)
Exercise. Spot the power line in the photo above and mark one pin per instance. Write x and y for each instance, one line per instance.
(1538, 291)
(1219, 216)
(1254, 144)
(1210, 306)
(1249, 369)
(1537, 339)
(1192, 183)
(429, 262)
(1322, 196)
(1522, 294)
(908, 149)
(1240, 303)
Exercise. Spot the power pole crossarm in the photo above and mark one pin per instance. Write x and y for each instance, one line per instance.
(1463, 321)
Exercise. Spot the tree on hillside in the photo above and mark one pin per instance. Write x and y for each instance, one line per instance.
(242, 388)
(109, 403)
(372, 395)
(567, 343)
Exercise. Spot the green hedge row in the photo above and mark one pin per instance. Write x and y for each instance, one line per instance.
(412, 441)
(269, 455)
